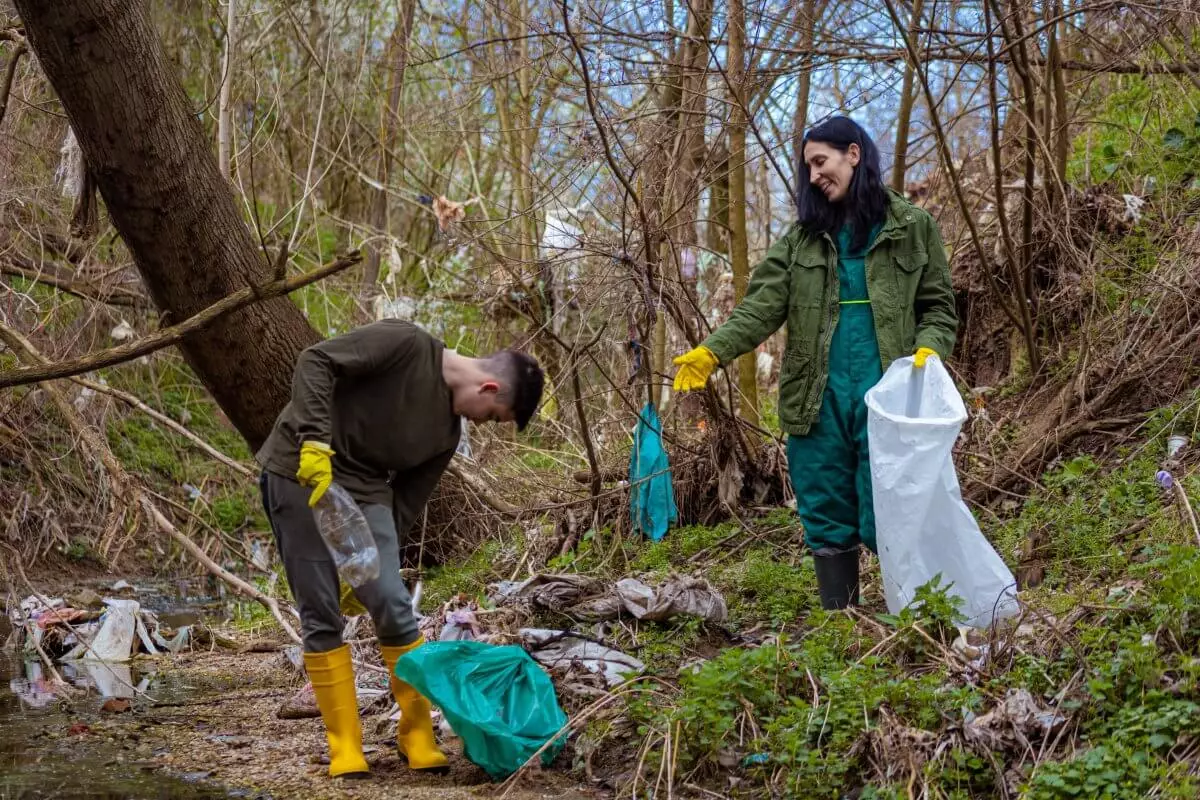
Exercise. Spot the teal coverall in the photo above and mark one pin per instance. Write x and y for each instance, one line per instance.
(829, 467)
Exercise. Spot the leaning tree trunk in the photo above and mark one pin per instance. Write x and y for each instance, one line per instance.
(159, 179)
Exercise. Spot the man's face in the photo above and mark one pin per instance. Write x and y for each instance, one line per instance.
(480, 403)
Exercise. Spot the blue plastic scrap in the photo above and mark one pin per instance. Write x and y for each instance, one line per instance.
(651, 495)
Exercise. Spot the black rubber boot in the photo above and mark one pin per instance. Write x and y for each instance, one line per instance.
(837, 578)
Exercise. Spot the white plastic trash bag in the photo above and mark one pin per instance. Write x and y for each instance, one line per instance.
(923, 527)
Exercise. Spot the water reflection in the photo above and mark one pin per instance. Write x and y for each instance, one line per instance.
(34, 687)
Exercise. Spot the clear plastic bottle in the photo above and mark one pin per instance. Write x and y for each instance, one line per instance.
(347, 535)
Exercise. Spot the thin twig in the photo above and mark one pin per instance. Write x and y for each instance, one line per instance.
(1189, 514)
(158, 416)
(113, 297)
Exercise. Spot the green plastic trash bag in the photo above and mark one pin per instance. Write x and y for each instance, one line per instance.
(651, 495)
(496, 698)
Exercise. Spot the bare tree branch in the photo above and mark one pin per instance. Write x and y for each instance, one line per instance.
(19, 267)
(173, 334)
(10, 72)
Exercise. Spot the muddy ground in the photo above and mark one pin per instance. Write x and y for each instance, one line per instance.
(203, 724)
(208, 720)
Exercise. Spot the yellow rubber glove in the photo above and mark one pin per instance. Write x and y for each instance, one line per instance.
(923, 353)
(316, 469)
(695, 367)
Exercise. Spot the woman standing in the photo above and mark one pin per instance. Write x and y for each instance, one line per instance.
(861, 279)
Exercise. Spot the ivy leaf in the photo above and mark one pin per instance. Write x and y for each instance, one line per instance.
(1175, 139)
(1159, 741)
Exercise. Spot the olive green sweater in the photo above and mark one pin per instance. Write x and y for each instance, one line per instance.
(376, 395)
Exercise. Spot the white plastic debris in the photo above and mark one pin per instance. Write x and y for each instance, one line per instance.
(83, 399)
(1133, 207)
(115, 639)
(464, 440)
(558, 648)
(123, 332)
(259, 557)
(70, 170)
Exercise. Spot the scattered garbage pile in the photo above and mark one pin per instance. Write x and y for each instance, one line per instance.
(589, 599)
(88, 627)
(582, 664)
(90, 641)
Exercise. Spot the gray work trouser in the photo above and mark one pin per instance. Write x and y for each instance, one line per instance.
(313, 578)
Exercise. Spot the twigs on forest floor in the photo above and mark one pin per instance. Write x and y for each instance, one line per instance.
(127, 493)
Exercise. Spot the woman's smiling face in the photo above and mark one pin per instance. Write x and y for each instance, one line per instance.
(830, 169)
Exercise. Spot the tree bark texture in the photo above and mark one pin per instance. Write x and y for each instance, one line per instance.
(159, 178)
(738, 244)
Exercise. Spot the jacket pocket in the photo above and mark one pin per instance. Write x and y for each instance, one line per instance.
(907, 270)
(807, 288)
(795, 381)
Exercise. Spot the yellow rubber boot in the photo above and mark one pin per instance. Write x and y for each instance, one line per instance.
(332, 677)
(414, 734)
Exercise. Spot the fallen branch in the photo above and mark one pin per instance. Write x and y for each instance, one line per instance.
(114, 297)
(234, 581)
(93, 444)
(158, 416)
(606, 476)
(175, 333)
(497, 504)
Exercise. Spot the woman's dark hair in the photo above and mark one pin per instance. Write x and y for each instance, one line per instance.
(866, 200)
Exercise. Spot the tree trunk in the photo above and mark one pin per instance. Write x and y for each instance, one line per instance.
(908, 96)
(717, 229)
(393, 136)
(804, 85)
(158, 176)
(738, 245)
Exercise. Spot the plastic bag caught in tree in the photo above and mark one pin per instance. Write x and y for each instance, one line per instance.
(651, 495)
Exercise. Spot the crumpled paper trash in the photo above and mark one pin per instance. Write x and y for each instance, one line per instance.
(585, 598)
(554, 592)
(1009, 725)
(461, 625)
(558, 648)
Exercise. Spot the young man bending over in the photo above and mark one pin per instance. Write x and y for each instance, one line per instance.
(377, 410)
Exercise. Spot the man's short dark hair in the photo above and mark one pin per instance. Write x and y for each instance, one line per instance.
(522, 381)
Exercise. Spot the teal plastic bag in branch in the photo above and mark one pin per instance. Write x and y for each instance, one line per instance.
(496, 698)
(651, 495)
